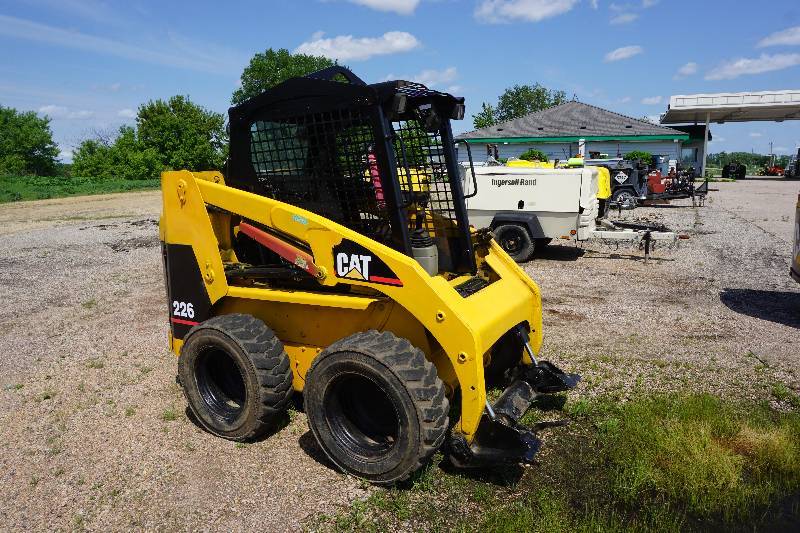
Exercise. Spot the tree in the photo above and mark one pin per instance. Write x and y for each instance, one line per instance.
(486, 117)
(26, 143)
(272, 67)
(124, 158)
(183, 134)
(518, 101)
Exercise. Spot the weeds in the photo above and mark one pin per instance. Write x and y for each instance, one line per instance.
(89, 304)
(95, 362)
(169, 415)
(782, 393)
(670, 463)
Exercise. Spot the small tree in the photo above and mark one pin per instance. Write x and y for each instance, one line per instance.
(486, 117)
(534, 155)
(183, 134)
(26, 143)
(272, 67)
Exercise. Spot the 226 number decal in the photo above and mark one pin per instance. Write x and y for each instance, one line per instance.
(182, 309)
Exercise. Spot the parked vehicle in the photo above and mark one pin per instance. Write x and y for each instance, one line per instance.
(526, 208)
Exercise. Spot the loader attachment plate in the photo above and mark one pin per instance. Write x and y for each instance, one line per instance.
(500, 438)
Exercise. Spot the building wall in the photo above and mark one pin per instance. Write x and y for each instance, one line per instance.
(562, 151)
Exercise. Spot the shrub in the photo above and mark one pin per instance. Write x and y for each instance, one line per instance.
(645, 157)
(534, 155)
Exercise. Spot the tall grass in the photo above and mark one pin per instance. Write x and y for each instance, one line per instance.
(17, 188)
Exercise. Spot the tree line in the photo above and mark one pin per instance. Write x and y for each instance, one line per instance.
(176, 133)
(168, 134)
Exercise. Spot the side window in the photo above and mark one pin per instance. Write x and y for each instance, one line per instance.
(277, 148)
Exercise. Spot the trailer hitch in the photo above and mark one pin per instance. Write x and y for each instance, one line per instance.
(500, 437)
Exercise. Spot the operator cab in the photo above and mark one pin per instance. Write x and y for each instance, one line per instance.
(378, 159)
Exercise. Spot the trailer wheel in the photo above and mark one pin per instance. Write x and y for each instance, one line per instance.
(235, 375)
(625, 197)
(516, 241)
(376, 406)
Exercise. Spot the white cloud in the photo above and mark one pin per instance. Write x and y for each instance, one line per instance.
(749, 66)
(755, 134)
(593, 3)
(625, 52)
(625, 100)
(126, 113)
(61, 112)
(652, 100)
(65, 155)
(403, 7)
(349, 48)
(504, 11)
(432, 78)
(689, 69)
(649, 3)
(172, 51)
(653, 119)
(624, 18)
(717, 139)
(787, 37)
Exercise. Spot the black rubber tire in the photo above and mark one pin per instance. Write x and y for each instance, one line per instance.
(236, 376)
(516, 241)
(376, 406)
(620, 193)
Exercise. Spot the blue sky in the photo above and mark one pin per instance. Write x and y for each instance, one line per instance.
(88, 64)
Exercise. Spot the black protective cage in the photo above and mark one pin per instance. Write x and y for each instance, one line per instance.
(378, 159)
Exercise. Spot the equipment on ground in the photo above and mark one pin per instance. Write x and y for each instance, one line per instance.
(628, 180)
(677, 185)
(334, 259)
(771, 170)
(793, 168)
(734, 171)
(527, 208)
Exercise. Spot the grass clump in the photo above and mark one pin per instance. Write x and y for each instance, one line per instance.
(700, 457)
(169, 415)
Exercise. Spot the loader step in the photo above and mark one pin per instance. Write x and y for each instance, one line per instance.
(471, 286)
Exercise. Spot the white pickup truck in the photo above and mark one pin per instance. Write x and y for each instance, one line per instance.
(528, 207)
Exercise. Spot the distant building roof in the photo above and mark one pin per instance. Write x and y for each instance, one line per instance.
(571, 121)
(733, 107)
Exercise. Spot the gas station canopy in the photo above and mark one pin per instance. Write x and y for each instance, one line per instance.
(733, 107)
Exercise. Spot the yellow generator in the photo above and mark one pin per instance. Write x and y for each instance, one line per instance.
(334, 259)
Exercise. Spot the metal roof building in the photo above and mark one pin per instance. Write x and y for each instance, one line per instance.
(564, 130)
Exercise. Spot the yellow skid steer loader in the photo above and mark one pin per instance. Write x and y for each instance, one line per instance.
(334, 259)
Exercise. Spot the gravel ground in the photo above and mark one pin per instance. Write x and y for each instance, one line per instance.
(94, 430)
(717, 312)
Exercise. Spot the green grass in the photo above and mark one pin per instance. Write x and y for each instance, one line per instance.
(17, 188)
(670, 463)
